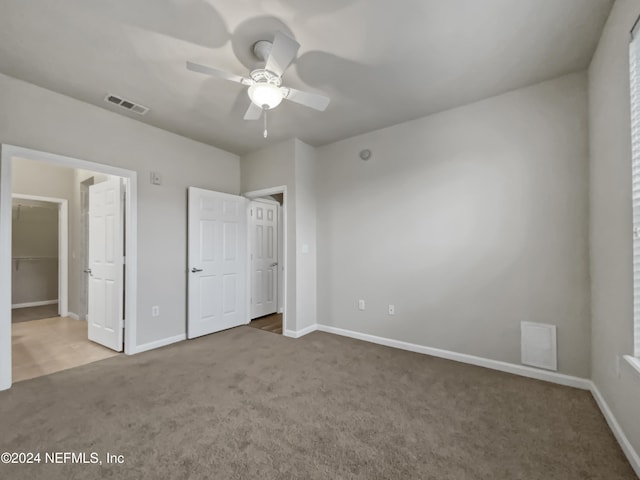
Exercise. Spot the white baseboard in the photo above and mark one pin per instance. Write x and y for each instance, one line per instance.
(300, 333)
(73, 316)
(157, 344)
(627, 448)
(553, 377)
(34, 304)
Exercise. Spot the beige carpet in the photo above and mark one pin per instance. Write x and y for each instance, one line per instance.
(247, 404)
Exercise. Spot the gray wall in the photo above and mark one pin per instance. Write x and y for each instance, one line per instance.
(469, 221)
(34, 229)
(292, 163)
(37, 178)
(306, 268)
(611, 222)
(40, 119)
(274, 166)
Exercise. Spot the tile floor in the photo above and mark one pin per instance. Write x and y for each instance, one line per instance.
(41, 347)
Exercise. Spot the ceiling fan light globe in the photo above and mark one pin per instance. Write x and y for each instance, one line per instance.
(265, 95)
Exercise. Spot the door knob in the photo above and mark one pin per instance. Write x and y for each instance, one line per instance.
(88, 270)
(274, 264)
(196, 270)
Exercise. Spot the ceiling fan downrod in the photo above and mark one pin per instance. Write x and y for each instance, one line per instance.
(265, 121)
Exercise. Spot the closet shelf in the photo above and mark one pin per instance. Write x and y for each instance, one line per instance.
(33, 258)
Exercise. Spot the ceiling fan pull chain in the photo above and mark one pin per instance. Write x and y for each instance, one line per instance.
(265, 123)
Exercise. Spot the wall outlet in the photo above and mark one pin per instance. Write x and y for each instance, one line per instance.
(155, 311)
(360, 304)
(392, 309)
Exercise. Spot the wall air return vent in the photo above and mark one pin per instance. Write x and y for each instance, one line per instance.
(126, 104)
(539, 347)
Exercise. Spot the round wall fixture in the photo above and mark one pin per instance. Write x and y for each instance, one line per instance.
(365, 154)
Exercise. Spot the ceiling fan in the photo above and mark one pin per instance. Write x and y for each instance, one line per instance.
(265, 84)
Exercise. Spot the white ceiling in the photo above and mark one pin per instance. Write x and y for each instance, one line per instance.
(381, 62)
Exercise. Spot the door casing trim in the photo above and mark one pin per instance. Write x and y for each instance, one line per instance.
(7, 153)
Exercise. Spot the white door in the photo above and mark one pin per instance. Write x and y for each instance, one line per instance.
(106, 260)
(264, 257)
(217, 231)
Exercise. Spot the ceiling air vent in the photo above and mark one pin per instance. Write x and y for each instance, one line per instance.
(126, 104)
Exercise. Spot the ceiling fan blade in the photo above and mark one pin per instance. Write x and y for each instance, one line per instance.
(313, 100)
(283, 52)
(214, 72)
(254, 112)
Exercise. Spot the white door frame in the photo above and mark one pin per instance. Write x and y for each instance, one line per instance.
(7, 153)
(63, 247)
(254, 195)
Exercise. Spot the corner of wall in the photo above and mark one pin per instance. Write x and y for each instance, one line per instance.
(616, 384)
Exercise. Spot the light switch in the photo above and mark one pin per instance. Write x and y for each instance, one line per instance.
(156, 178)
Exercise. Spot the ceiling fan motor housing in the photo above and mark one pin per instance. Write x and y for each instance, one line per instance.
(260, 75)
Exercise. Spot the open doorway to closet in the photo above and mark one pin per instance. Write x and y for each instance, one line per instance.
(46, 335)
(266, 261)
(39, 257)
(64, 238)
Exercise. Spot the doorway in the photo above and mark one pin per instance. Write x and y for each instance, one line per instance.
(219, 289)
(39, 257)
(128, 311)
(264, 254)
(267, 221)
(46, 337)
